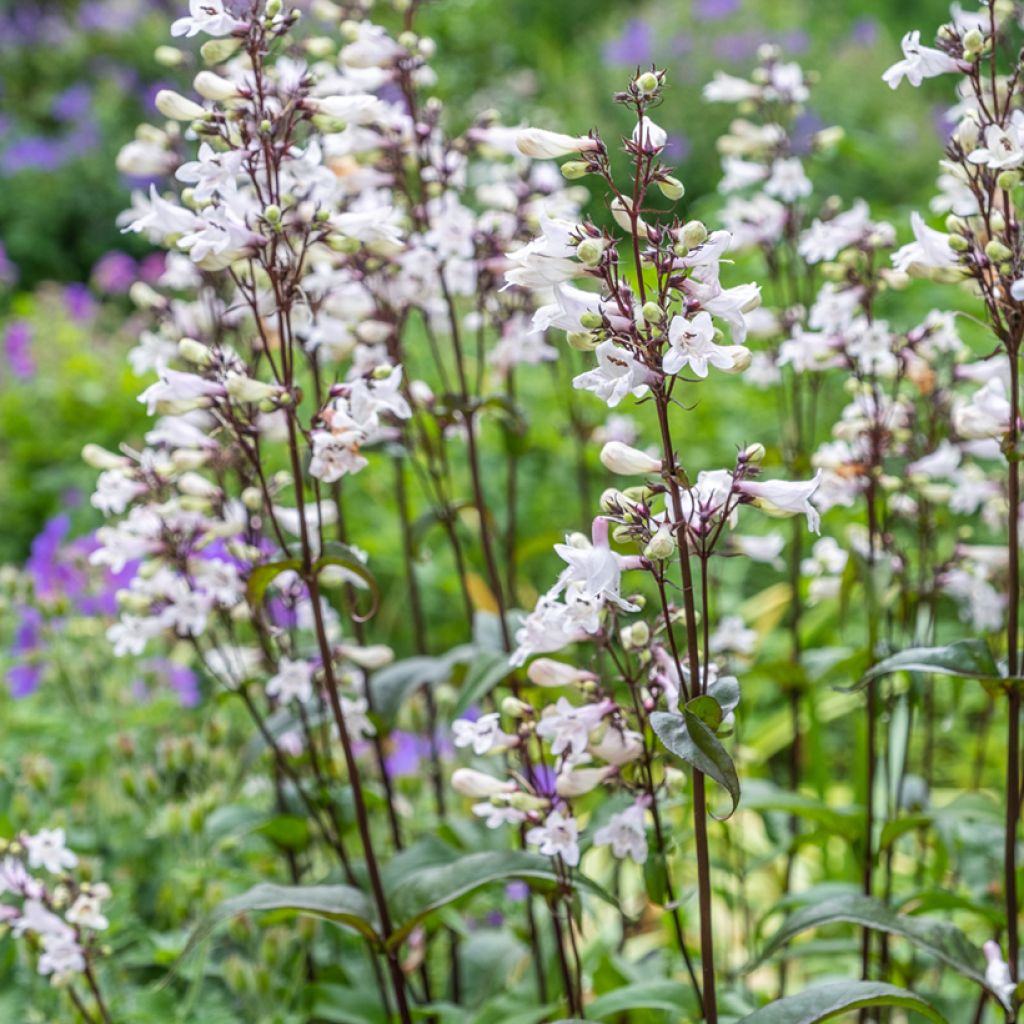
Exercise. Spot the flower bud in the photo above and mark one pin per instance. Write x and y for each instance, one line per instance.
(671, 188)
(647, 83)
(548, 672)
(582, 341)
(145, 297)
(959, 244)
(581, 780)
(1009, 180)
(636, 635)
(997, 252)
(621, 458)
(213, 51)
(213, 87)
(590, 252)
(244, 389)
(652, 313)
(469, 782)
(662, 545)
(591, 320)
(99, 458)
(372, 656)
(195, 352)
(544, 145)
(252, 499)
(741, 358)
(197, 486)
(754, 453)
(572, 170)
(177, 107)
(974, 43)
(515, 708)
(168, 56)
(694, 233)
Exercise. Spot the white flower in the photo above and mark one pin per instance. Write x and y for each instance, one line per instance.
(725, 88)
(557, 837)
(617, 374)
(997, 974)
(986, 414)
(732, 636)
(548, 672)
(545, 145)
(625, 834)
(484, 735)
(919, 62)
(691, 343)
(292, 681)
(649, 136)
(1004, 147)
(212, 173)
(618, 746)
(621, 458)
(209, 16)
(356, 108)
(580, 781)
(569, 727)
(479, 785)
(86, 912)
(824, 240)
(784, 498)
(497, 814)
(930, 250)
(47, 850)
(738, 173)
(760, 549)
(61, 957)
(940, 463)
(547, 260)
(788, 181)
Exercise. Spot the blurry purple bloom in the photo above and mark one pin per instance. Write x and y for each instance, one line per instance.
(517, 891)
(406, 755)
(807, 125)
(185, 682)
(865, 32)
(73, 103)
(543, 779)
(713, 10)
(738, 46)
(18, 349)
(151, 267)
(942, 124)
(635, 45)
(677, 147)
(8, 271)
(78, 301)
(32, 153)
(43, 560)
(115, 272)
(794, 42)
(681, 45)
(28, 633)
(24, 679)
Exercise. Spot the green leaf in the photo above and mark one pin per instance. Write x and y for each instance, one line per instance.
(763, 796)
(485, 672)
(393, 685)
(689, 738)
(707, 709)
(263, 575)
(341, 904)
(943, 941)
(968, 659)
(671, 996)
(823, 1002)
(423, 890)
(352, 565)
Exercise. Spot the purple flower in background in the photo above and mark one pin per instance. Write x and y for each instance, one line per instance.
(152, 267)
(18, 349)
(73, 103)
(24, 679)
(406, 755)
(677, 147)
(634, 46)
(185, 683)
(942, 124)
(738, 46)
(115, 272)
(807, 125)
(865, 32)
(713, 10)
(28, 632)
(78, 301)
(33, 153)
(43, 563)
(517, 891)
(794, 42)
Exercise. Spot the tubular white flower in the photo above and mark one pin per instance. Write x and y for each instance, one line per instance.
(548, 672)
(177, 107)
(621, 458)
(784, 498)
(469, 782)
(544, 145)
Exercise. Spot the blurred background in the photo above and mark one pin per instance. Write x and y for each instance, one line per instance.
(76, 76)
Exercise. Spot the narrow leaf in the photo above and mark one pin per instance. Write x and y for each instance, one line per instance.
(263, 575)
(823, 1002)
(968, 659)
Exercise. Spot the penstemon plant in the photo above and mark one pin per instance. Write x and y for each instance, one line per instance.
(328, 515)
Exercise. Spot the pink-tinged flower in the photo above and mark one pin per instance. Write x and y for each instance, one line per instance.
(616, 375)
(930, 251)
(557, 837)
(47, 849)
(919, 62)
(986, 414)
(484, 735)
(784, 498)
(544, 145)
(569, 727)
(469, 782)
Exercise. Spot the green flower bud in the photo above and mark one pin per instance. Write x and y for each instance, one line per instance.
(671, 188)
(997, 252)
(647, 83)
(582, 341)
(958, 243)
(573, 169)
(652, 313)
(590, 252)
(694, 234)
(591, 320)
(1008, 180)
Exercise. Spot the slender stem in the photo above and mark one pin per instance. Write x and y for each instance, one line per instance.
(1013, 669)
(94, 987)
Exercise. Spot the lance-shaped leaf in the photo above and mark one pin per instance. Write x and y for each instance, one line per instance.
(486, 670)
(341, 904)
(689, 738)
(353, 567)
(393, 685)
(263, 575)
(942, 940)
(432, 886)
(968, 659)
(663, 994)
(823, 1002)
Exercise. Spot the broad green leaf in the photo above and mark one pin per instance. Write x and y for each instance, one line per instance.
(763, 796)
(263, 575)
(968, 659)
(823, 1002)
(942, 940)
(341, 904)
(707, 709)
(486, 670)
(393, 685)
(726, 690)
(689, 738)
(426, 889)
(672, 996)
